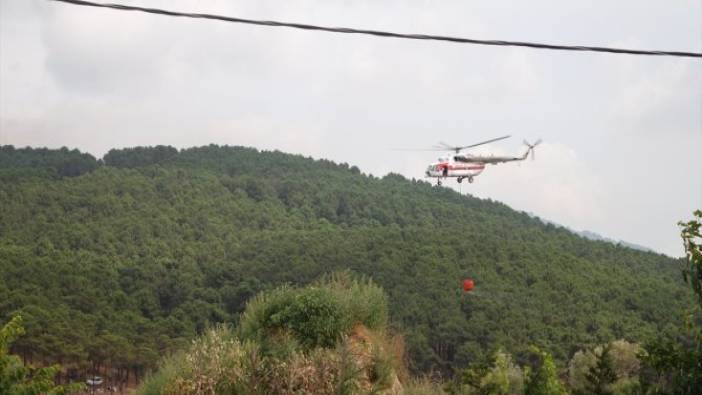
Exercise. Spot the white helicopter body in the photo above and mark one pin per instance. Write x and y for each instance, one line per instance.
(467, 166)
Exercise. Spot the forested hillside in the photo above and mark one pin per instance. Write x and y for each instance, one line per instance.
(122, 260)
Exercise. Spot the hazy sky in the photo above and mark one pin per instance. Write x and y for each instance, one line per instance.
(623, 134)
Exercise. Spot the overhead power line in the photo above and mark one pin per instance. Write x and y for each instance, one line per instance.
(379, 33)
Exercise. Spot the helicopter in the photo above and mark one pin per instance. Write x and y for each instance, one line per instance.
(468, 166)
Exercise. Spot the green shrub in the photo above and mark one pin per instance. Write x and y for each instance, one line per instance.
(363, 301)
(251, 324)
(317, 315)
(313, 315)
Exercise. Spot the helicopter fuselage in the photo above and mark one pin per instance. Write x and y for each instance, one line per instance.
(467, 166)
(447, 168)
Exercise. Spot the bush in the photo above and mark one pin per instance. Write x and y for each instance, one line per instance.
(362, 300)
(292, 341)
(316, 316)
(313, 315)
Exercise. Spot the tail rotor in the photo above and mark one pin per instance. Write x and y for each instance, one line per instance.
(531, 148)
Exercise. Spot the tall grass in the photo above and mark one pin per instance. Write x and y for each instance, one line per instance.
(169, 370)
(424, 386)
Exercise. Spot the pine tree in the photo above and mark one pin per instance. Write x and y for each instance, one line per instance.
(602, 375)
(543, 380)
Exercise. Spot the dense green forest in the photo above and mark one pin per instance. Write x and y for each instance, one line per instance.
(116, 262)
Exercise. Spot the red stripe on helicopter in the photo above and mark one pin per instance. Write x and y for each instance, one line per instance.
(475, 167)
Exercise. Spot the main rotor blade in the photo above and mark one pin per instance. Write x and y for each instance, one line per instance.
(442, 146)
(484, 142)
(418, 149)
(446, 146)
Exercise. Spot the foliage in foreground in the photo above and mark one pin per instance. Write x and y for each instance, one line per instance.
(328, 338)
(609, 368)
(673, 364)
(18, 379)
